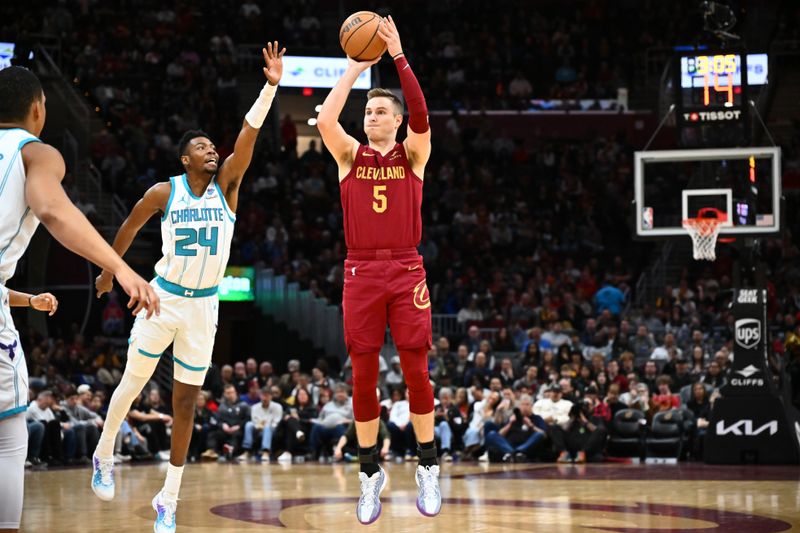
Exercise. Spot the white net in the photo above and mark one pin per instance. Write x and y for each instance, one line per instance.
(704, 232)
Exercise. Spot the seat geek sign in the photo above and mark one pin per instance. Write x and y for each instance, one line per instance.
(319, 72)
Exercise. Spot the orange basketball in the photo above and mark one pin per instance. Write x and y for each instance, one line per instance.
(359, 36)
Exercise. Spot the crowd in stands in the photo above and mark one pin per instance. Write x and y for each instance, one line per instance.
(525, 242)
(552, 398)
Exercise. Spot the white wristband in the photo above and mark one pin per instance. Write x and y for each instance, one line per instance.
(255, 117)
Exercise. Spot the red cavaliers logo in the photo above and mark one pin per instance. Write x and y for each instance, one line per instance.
(422, 300)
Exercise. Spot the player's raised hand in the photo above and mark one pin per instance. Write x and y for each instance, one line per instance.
(361, 66)
(387, 30)
(274, 62)
(142, 294)
(45, 302)
(104, 283)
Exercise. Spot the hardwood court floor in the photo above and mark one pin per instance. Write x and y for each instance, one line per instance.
(497, 498)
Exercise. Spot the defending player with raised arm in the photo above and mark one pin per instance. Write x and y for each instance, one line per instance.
(197, 211)
(31, 191)
(381, 192)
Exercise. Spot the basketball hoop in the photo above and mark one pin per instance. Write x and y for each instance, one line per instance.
(704, 231)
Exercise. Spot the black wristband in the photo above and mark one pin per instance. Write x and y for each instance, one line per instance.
(398, 55)
(29, 300)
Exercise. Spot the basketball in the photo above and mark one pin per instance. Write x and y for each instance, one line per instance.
(359, 36)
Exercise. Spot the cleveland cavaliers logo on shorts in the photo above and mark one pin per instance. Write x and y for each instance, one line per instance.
(422, 300)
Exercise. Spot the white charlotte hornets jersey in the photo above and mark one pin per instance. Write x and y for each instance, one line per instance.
(196, 234)
(17, 225)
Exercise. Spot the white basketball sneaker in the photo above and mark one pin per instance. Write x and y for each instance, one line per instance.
(165, 521)
(429, 500)
(369, 505)
(103, 478)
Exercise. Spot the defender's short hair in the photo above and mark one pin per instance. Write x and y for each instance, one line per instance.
(19, 88)
(187, 138)
(386, 93)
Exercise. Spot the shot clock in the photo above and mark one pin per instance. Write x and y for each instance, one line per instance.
(711, 94)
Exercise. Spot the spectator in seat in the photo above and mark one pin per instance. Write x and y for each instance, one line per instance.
(700, 406)
(650, 375)
(530, 380)
(297, 420)
(555, 336)
(714, 376)
(601, 409)
(400, 428)
(479, 373)
(251, 369)
(394, 377)
(662, 353)
(240, 378)
(682, 375)
(614, 375)
(231, 418)
(253, 395)
(265, 374)
(37, 417)
(264, 419)
(518, 437)
(583, 436)
(473, 339)
(642, 344)
(450, 424)
(346, 449)
(612, 400)
(86, 424)
(664, 400)
(202, 424)
(506, 372)
(553, 409)
(152, 418)
(609, 298)
(332, 422)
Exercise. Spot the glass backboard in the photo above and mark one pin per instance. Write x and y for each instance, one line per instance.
(742, 183)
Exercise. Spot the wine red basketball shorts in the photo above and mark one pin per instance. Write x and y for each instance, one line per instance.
(385, 287)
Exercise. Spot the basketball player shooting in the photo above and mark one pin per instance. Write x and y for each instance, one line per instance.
(197, 221)
(31, 191)
(381, 192)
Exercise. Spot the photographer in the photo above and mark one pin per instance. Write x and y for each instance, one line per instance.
(517, 439)
(583, 435)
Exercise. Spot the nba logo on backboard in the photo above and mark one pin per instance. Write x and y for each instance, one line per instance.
(647, 218)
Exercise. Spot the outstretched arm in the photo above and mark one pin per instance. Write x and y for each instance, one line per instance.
(341, 145)
(41, 302)
(418, 140)
(44, 170)
(154, 201)
(233, 169)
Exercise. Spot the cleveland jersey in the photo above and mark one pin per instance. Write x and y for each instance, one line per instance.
(381, 201)
(196, 234)
(17, 225)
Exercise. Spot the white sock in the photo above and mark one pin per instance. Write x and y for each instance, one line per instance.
(129, 388)
(173, 482)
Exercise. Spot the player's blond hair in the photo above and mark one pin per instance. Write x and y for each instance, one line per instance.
(386, 93)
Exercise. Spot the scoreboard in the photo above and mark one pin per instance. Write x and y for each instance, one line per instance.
(712, 90)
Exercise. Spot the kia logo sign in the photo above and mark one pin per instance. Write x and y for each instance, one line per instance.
(746, 428)
(748, 332)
